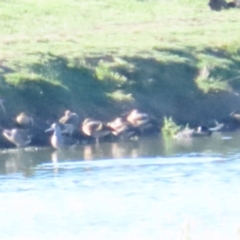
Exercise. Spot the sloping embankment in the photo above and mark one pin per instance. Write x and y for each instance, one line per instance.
(192, 88)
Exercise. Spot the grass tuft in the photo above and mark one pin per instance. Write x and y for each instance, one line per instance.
(169, 128)
(21, 78)
(121, 96)
(210, 84)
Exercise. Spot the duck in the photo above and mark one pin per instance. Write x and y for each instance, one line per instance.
(187, 133)
(236, 116)
(19, 137)
(137, 118)
(24, 120)
(70, 121)
(219, 127)
(142, 121)
(57, 140)
(95, 128)
(122, 128)
(231, 122)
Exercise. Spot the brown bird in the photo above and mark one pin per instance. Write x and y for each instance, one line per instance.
(142, 121)
(24, 120)
(122, 128)
(70, 121)
(137, 118)
(95, 128)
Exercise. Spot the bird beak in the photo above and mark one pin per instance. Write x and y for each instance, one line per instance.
(49, 130)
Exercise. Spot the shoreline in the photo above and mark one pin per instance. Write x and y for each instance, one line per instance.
(40, 138)
(110, 61)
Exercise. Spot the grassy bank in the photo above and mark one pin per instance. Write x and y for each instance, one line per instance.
(171, 58)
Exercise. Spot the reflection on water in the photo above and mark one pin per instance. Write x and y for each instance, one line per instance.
(24, 160)
(145, 189)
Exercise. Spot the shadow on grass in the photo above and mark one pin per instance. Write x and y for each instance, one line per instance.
(162, 85)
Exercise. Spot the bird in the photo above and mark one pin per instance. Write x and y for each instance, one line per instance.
(137, 118)
(230, 122)
(235, 116)
(95, 128)
(23, 120)
(219, 127)
(142, 121)
(188, 133)
(122, 128)
(70, 121)
(19, 137)
(57, 139)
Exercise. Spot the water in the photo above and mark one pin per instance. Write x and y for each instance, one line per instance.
(145, 189)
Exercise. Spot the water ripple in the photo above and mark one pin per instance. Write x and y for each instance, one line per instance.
(152, 196)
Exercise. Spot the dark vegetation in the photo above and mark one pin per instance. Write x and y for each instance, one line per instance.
(105, 87)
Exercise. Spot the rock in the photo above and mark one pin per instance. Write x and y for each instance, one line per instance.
(217, 5)
(234, 4)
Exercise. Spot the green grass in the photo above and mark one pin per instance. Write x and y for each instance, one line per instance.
(79, 27)
(169, 128)
(100, 57)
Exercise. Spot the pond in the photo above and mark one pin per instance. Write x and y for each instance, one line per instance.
(144, 189)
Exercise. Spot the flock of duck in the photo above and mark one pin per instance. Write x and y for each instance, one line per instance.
(68, 130)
